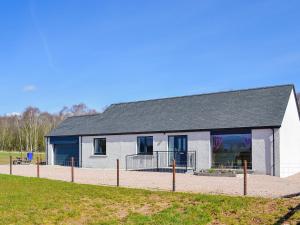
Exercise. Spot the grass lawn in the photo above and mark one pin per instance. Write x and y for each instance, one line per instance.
(41, 201)
(4, 156)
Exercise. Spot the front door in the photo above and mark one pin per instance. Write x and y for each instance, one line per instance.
(178, 149)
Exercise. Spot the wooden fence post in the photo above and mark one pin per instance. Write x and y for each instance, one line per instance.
(10, 165)
(38, 167)
(118, 173)
(245, 177)
(72, 169)
(174, 172)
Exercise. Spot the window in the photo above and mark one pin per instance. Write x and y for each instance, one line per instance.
(99, 146)
(230, 149)
(145, 145)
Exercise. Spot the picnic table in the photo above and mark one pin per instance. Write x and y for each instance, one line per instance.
(20, 161)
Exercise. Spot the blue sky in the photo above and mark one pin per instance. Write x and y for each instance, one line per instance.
(59, 52)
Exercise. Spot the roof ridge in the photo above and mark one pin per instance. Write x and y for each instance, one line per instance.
(209, 93)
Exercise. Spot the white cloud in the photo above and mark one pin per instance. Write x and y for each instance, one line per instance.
(13, 114)
(29, 88)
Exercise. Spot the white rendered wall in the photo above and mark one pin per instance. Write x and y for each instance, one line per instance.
(290, 140)
(118, 146)
(262, 151)
(262, 148)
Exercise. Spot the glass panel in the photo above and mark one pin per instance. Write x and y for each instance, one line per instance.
(171, 143)
(96, 147)
(182, 143)
(171, 149)
(149, 144)
(145, 145)
(100, 146)
(230, 150)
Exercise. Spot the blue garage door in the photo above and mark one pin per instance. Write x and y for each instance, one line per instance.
(64, 149)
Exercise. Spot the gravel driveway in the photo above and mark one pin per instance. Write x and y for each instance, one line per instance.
(258, 185)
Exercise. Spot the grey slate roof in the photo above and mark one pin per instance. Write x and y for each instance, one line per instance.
(260, 107)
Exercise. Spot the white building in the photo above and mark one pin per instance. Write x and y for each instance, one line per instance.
(200, 131)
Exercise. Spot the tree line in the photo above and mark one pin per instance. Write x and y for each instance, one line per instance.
(26, 131)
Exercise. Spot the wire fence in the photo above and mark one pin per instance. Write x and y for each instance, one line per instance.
(69, 172)
(160, 161)
(72, 173)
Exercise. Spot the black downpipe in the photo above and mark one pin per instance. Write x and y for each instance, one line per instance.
(81, 151)
(273, 152)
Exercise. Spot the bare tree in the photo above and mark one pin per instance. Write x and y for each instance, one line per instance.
(19, 134)
(27, 131)
(76, 110)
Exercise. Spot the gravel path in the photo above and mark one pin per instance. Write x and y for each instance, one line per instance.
(258, 185)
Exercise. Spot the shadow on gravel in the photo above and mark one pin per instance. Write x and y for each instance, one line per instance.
(291, 195)
(290, 213)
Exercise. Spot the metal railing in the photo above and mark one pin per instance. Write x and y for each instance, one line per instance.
(67, 163)
(289, 169)
(162, 161)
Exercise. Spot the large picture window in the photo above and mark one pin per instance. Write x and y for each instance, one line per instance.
(230, 149)
(99, 146)
(145, 145)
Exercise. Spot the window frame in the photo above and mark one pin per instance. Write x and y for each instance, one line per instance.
(231, 132)
(99, 154)
(137, 145)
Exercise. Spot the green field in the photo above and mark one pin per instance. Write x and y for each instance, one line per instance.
(41, 201)
(4, 156)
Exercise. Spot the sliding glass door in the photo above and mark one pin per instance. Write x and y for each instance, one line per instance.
(178, 149)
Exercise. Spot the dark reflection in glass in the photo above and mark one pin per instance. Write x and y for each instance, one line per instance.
(229, 150)
(145, 145)
(99, 146)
